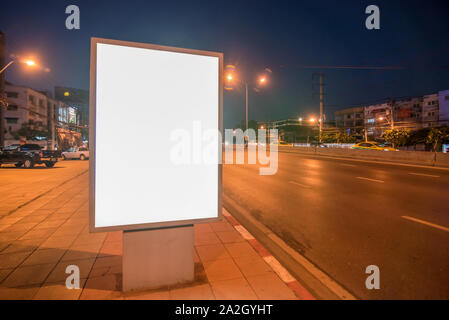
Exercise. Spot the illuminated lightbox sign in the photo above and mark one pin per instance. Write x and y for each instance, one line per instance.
(151, 109)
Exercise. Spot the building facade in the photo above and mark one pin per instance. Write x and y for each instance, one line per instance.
(443, 107)
(352, 120)
(32, 109)
(27, 107)
(77, 101)
(408, 113)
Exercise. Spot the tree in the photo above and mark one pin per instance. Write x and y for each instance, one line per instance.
(32, 130)
(397, 137)
(328, 137)
(418, 136)
(343, 137)
(436, 136)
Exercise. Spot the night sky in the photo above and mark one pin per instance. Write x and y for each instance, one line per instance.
(287, 37)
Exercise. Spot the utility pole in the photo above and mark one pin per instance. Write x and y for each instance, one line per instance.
(321, 104)
(392, 113)
(2, 89)
(246, 88)
(321, 84)
(51, 124)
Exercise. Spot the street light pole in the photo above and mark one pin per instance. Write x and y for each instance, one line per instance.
(10, 63)
(246, 89)
(2, 88)
(321, 106)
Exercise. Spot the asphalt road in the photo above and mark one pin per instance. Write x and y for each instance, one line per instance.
(345, 215)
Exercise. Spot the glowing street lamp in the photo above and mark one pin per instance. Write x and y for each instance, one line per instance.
(300, 119)
(231, 77)
(30, 63)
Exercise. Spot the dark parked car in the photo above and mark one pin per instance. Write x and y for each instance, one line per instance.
(28, 155)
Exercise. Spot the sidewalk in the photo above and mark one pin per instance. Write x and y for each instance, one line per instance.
(39, 240)
(19, 187)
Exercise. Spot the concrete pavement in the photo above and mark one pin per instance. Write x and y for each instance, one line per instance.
(344, 215)
(18, 186)
(40, 239)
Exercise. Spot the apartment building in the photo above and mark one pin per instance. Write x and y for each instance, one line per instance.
(32, 107)
(407, 113)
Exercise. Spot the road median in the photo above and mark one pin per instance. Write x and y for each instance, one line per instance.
(438, 160)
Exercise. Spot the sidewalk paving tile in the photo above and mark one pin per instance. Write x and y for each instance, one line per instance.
(233, 289)
(204, 238)
(223, 269)
(212, 252)
(44, 256)
(271, 287)
(241, 249)
(230, 236)
(200, 292)
(58, 291)
(28, 275)
(12, 260)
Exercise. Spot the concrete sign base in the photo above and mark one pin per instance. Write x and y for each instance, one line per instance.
(157, 257)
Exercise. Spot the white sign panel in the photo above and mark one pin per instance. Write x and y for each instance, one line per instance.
(153, 161)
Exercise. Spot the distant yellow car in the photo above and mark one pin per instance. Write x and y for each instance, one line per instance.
(281, 143)
(373, 146)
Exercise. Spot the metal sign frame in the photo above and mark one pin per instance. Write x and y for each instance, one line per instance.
(92, 132)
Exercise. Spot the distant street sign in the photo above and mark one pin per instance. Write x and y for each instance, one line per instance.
(140, 95)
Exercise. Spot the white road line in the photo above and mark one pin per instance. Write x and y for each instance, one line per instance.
(368, 179)
(299, 184)
(424, 175)
(426, 223)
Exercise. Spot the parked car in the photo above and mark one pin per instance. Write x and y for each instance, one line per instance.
(76, 153)
(373, 146)
(28, 155)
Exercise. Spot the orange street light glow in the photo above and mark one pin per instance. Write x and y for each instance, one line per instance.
(312, 120)
(262, 80)
(30, 63)
(229, 77)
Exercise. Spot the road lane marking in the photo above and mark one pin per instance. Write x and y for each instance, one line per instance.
(368, 179)
(430, 224)
(299, 184)
(424, 174)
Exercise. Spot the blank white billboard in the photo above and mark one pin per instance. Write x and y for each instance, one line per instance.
(150, 107)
